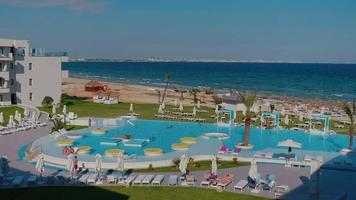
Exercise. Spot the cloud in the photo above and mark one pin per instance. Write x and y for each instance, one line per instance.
(76, 5)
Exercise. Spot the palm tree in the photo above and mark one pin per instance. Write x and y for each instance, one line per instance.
(350, 111)
(194, 92)
(167, 79)
(248, 100)
(57, 125)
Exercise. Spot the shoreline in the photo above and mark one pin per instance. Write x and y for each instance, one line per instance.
(139, 93)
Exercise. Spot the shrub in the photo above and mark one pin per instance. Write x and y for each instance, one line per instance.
(150, 167)
(176, 162)
(217, 99)
(47, 101)
(234, 160)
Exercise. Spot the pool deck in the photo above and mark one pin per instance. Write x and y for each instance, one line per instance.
(332, 182)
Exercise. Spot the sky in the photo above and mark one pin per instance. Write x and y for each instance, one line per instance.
(270, 30)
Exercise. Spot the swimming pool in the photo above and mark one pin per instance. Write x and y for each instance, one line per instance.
(162, 134)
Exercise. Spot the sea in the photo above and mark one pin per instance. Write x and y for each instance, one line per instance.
(335, 82)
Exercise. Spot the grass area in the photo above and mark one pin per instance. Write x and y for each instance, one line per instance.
(196, 166)
(87, 108)
(120, 193)
(84, 108)
(7, 111)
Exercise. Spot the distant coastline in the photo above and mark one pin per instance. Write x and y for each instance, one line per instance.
(197, 61)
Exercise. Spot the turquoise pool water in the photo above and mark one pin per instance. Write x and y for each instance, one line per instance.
(164, 133)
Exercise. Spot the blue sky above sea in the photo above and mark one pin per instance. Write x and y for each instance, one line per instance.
(270, 30)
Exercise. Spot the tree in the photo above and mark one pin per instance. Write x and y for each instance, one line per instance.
(167, 79)
(271, 107)
(217, 99)
(350, 111)
(248, 100)
(47, 101)
(194, 92)
(57, 125)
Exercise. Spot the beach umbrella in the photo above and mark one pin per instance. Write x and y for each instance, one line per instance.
(214, 166)
(19, 118)
(70, 164)
(286, 120)
(175, 103)
(301, 119)
(289, 143)
(1, 118)
(11, 121)
(34, 117)
(253, 170)
(53, 109)
(131, 107)
(40, 164)
(16, 117)
(194, 111)
(26, 112)
(216, 109)
(160, 110)
(183, 164)
(98, 163)
(163, 105)
(4, 165)
(181, 106)
(64, 111)
(120, 162)
(198, 104)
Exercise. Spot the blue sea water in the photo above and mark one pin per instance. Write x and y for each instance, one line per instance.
(312, 81)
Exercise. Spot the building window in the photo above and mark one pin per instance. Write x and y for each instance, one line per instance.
(30, 82)
(30, 96)
(30, 66)
(1, 98)
(11, 65)
(11, 81)
(2, 51)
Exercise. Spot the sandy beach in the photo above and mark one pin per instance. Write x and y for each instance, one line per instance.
(133, 93)
(130, 93)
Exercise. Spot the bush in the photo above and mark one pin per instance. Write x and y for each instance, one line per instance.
(234, 160)
(176, 162)
(217, 99)
(150, 167)
(65, 100)
(47, 101)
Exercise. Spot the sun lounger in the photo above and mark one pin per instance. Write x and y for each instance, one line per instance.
(147, 180)
(241, 185)
(223, 149)
(138, 179)
(32, 180)
(83, 178)
(270, 182)
(173, 180)
(111, 179)
(17, 181)
(121, 180)
(205, 183)
(190, 180)
(157, 180)
(129, 179)
(92, 179)
(225, 180)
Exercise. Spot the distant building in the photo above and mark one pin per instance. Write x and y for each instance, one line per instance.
(28, 75)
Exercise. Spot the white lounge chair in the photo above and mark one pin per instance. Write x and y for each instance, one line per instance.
(17, 180)
(173, 180)
(83, 178)
(147, 180)
(241, 185)
(139, 179)
(158, 180)
(92, 179)
(111, 179)
(32, 180)
(129, 179)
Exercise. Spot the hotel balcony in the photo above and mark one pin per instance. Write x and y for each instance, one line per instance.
(4, 86)
(6, 57)
(5, 74)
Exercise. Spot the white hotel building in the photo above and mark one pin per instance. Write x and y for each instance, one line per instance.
(28, 75)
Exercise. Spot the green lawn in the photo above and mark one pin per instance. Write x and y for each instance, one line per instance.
(197, 166)
(120, 193)
(87, 108)
(7, 111)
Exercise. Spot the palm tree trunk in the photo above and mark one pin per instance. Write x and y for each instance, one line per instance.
(351, 139)
(164, 92)
(247, 130)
